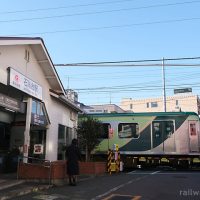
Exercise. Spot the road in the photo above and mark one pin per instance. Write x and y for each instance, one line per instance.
(134, 185)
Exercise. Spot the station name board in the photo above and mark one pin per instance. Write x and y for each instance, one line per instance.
(183, 90)
(11, 103)
(24, 84)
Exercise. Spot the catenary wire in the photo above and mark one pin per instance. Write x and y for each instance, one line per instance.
(109, 27)
(64, 7)
(96, 12)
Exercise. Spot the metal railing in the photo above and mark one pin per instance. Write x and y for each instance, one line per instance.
(41, 162)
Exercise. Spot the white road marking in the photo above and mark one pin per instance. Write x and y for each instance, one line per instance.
(162, 173)
(122, 195)
(118, 187)
(155, 172)
(49, 196)
(177, 173)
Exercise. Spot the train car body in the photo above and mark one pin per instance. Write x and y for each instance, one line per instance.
(145, 137)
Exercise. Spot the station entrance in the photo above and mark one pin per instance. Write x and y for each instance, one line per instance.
(12, 141)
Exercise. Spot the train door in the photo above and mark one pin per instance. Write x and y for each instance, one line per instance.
(168, 136)
(105, 137)
(193, 136)
(163, 138)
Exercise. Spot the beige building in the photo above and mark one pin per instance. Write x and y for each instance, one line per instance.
(35, 114)
(105, 108)
(180, 102)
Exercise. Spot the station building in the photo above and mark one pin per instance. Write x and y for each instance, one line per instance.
(36, 117)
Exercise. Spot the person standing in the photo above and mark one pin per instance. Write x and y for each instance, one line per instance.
(73, 156)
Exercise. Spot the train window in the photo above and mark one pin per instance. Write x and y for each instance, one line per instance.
(157, 129)
(163, 129)
(128, 130)
(105, 130)
(169, 128)
(193, 129)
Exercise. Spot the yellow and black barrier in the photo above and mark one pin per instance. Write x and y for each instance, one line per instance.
(113, 164)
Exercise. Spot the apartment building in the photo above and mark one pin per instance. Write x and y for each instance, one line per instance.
(104, 108)
(179, 102)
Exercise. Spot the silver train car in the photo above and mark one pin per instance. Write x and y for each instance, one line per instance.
(148, 139)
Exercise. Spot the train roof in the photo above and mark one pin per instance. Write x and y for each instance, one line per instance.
(142, 114)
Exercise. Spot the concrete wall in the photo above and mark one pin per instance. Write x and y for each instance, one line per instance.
(57, 116)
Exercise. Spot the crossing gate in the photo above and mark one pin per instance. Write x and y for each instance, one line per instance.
(113, 164)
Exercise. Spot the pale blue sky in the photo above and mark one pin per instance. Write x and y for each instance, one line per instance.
(117, 30)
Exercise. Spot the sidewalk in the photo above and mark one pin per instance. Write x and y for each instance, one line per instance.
(11, 187)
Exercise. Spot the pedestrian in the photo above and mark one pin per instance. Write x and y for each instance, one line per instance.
(73, 156)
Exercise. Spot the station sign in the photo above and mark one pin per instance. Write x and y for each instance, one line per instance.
(11, 103)
(39, 120)
(183, 90)
(21, 82)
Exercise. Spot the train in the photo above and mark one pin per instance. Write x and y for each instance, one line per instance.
(149, 139)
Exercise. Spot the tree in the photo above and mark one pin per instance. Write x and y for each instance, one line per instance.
(89, 132)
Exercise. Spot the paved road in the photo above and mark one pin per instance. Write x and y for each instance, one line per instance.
(135, 185)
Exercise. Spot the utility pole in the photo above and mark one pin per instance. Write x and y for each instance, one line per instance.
(164, 90)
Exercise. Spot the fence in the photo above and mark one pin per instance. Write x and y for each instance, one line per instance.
(34, 168)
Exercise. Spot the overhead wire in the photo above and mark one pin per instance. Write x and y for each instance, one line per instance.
(64, 7)
(97, 12)
(106, 63)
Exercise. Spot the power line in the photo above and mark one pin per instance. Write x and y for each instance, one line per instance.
(130, 65)
(97, 12)
(123, 87)
(108, 27)
(108, 63)
(63, 7)
(75, 75)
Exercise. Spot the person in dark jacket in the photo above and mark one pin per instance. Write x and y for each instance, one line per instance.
(73, 155)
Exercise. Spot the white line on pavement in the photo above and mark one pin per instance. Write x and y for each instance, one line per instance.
(155, 172)
(118, 187)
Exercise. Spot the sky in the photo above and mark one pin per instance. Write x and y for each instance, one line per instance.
(109, 31)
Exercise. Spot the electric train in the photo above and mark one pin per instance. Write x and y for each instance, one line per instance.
(169, 138)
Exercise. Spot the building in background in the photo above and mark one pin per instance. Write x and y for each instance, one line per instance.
(179, 102)
(104, 108)
(72, 95)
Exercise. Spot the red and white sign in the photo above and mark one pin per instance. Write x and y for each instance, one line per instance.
(38, 149)
(25, 84)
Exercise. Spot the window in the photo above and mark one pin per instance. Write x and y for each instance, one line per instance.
(154, 104)
(131, 106)
(37, 108)
(162, 129)
(64, 139)
(176, 102)
(105, 131)
(39, 115)
(169, 128)
(128, 130)
(157, 129)
(34, 107)
(147, 105)
(193, 131)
